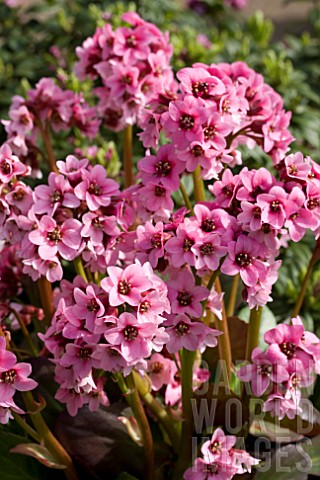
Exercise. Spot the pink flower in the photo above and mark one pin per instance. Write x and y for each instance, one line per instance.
(57, 194)
(183, 122)
(208, 251)
(242, 258)
(202, 470)
(10, 165)
(95, 188)
(159, 370)
(289, 338)
(275, 206)
(13, 375)
(299, 218)
(133, 337)
(190, 335)
(199, 83)
(151, 240)
(95, 226)
(52, 238)
(184, 296)
(72, 167)
(79, 358)
(164, 168)
(279, 406)
(297, 167)
(267, 367)
(215, 131)
(180, 247)
(125, 285)
(87, 307)
(217, 448)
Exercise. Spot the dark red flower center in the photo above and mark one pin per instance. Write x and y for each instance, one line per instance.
(160, 191)
(208, 225)
(6, 167)
(200, 88)
(275, 206)
(55, 235)
(209, 132)
(19, 194)
(184, 298)
(163, 168)
(84, 353)
(9, 376)
(187, 244)
(156, 240)
(186, 122)
(156, 367)
(144, 306)
(206, 249)
(56, 196)
(94, 189)
(124, 287)
(244, 260)
(182, 329)
(289, 349)
(215, 447)
(265, 370)
(97, 223)
(130, 333)
(92, 305)
(197, 151)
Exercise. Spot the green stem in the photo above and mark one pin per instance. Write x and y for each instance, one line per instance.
(45, 134)
(144, 427)
(185, 450)
(253, 331)
(49, 440)
(233, 296)
(199, 194)
(45, 291)
(186, 198)
(29, 430)
(127, 156)
(313, 260)
(25, 333)
(224, 345)
(78, 265)
(158, 410)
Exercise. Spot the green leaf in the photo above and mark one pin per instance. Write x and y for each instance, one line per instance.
(17, 468)
(39, 452)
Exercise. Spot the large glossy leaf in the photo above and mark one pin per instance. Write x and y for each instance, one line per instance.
(39, 452)
(293, 462)
(100, 444)
(13, 467)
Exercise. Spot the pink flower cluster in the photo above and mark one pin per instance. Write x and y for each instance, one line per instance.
(73, 215)
(46, 105)
(13, 377)
(132, 63)
(218, 108)
(89, 333)
(220, 461)
(240, 231)
(290, 363)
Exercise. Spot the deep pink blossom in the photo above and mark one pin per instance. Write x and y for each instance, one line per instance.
(125, 285)
(185, 296)
(52, 238)
(95, 188)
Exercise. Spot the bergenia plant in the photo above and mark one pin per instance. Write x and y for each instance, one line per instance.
(125, 279)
